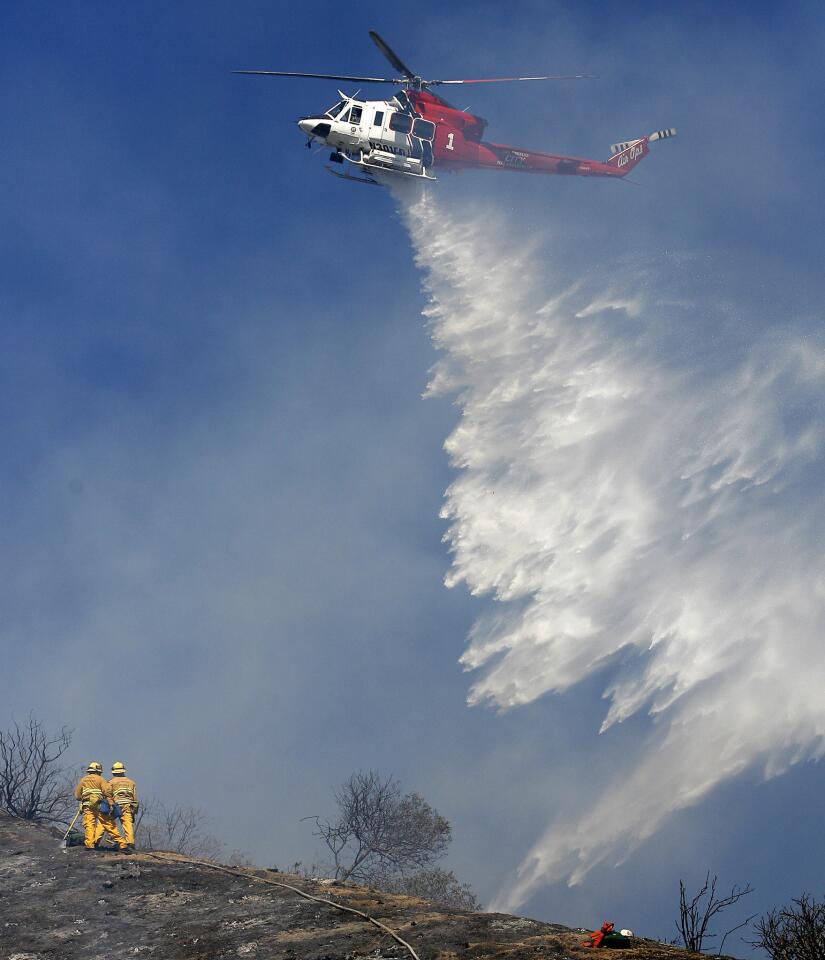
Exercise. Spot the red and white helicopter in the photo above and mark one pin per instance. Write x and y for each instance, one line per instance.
(417, 131)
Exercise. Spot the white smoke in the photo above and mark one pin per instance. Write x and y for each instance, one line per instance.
(613, 498)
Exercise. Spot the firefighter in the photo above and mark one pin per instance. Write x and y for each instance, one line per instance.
(91, 791)
(107, 821)
(124, 792)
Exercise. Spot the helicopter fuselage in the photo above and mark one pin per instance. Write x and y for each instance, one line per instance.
(417, 132)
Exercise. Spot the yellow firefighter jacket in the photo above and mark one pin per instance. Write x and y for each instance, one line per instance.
(91, 789)
(124, 790)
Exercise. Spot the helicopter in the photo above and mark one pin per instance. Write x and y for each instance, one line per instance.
(416, 132)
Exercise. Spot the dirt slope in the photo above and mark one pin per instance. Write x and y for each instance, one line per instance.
(71, 904)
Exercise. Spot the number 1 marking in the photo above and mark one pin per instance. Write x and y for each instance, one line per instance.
(450, 137)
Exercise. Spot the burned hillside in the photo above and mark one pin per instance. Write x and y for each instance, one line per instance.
(63, 904)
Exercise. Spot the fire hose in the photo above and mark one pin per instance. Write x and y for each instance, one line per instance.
(177, 858)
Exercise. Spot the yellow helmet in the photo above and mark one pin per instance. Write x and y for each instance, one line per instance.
(94, 767)
(117, 767)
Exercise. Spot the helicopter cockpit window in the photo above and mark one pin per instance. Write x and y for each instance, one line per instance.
(334, 111)
(354, 115)
(424, 129)
(400, 123)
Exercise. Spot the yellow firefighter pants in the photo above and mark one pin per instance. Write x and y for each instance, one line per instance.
(127, 821)
(106, 823)
(89, 826)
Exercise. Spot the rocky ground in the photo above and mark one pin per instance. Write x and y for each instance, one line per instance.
(64, 904)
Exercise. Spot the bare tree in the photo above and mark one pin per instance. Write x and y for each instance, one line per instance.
(439, 886)
(379, 832)
(177, 829)
(695, 915)
(33, 783)
(240, 858)
(796, 932)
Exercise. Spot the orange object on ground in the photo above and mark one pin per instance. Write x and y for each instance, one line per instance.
(598, 936)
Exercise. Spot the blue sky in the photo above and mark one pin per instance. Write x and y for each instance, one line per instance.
(222, 550)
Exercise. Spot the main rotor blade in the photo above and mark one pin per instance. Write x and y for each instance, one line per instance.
(394, 59)
(576, 76)
(318, 76)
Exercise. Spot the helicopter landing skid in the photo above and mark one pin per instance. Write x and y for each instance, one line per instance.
(369, 167)
(346, 176)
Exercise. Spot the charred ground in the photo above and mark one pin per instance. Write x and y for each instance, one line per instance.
(64, 904)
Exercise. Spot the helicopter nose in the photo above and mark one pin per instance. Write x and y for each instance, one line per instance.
(315, 126)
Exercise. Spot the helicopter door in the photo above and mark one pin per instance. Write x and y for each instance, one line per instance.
(376, 130)
(424, 131)
(353, 121)
(397, 130)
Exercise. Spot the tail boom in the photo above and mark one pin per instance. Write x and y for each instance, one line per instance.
(496, 156)
(625, 156)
